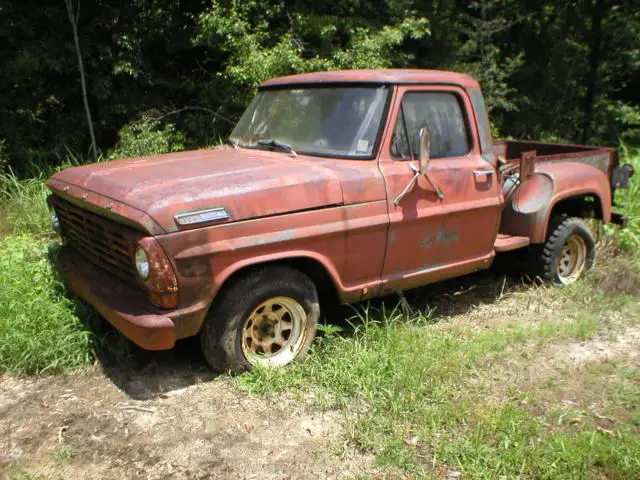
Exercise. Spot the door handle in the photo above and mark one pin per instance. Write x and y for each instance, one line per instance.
(478, 173)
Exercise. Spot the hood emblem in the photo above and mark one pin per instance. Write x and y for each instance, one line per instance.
(202, 216)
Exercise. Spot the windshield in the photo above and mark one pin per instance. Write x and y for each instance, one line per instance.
(335, 121)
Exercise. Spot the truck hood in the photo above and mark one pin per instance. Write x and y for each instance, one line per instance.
(247, 183)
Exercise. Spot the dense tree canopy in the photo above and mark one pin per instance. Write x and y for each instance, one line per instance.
(179, 72)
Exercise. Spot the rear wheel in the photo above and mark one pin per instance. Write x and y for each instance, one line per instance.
(267, 317)
(568, 252)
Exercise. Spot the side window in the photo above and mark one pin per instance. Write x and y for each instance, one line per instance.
(442, 114)
(483, 120)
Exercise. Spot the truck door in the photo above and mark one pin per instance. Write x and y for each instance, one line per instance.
(431, 238)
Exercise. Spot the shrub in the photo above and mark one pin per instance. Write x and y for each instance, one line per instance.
(147, 137)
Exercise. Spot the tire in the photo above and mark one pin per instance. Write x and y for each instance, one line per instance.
(568, 252)
(266, 317)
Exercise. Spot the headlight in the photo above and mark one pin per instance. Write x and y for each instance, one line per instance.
(55, 222)
(142, 263)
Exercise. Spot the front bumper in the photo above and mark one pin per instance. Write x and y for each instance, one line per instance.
(124, 306)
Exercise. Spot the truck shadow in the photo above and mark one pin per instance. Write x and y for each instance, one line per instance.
(144, 375)
(439, 300)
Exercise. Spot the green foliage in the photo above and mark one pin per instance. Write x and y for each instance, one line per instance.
(629, 200)
(39, 329)
(263, 40)
(480, 55)
(147, 137)
(562, 69)
(627, 118)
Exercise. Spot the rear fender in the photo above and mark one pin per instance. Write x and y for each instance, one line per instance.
(553, 186)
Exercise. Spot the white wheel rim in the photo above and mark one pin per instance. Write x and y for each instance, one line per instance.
(573, 258)
(274, 333)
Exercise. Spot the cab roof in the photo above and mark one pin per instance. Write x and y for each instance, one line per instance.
(376, 76)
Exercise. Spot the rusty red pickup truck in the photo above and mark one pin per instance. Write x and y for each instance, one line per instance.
(349, 184)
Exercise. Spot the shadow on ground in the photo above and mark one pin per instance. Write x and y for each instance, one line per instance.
(144, 375)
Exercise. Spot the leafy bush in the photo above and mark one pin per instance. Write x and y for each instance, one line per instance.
(39, 329)
(147, 137)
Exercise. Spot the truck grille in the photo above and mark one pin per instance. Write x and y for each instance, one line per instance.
(99, 240)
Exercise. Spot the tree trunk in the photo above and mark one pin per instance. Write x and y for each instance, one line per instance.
(73, 19)
(595, 47)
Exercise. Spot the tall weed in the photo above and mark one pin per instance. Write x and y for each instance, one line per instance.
(629, 200)
(23, 206)
(39, 329)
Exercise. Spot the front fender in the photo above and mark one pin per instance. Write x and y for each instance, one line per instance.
(529, 209)
(346, 242)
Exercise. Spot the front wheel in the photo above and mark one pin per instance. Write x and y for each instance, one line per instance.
(266, 317)
(568, 252)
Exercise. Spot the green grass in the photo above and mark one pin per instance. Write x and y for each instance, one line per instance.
(40, 330)
(421, 395)
(23, 205)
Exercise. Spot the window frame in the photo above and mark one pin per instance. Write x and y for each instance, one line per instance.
(465, 118)
(482, 118)
(377, 147)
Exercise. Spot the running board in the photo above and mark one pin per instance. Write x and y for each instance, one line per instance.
(506, 243)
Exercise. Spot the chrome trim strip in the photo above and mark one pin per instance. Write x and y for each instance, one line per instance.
(207, 215)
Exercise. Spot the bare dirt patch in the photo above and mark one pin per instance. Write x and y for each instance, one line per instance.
(84, 426)
(624, 344)
(571, 382)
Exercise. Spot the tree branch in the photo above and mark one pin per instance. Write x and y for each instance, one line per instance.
(74, 18)
(194, 108)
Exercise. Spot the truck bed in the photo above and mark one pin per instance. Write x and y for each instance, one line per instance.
(603, 158)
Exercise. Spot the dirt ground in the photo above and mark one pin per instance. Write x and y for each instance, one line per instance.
(172, 418)
(165, 415)
(169, 419)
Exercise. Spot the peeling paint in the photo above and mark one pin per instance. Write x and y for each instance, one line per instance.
(335, 213)
(441, 237)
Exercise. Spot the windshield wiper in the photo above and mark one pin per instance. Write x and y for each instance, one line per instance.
(276, 144)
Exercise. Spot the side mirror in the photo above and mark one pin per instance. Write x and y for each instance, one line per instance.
(423, 150)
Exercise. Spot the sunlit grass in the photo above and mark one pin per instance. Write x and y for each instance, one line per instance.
(39, 328)
(426, 394)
